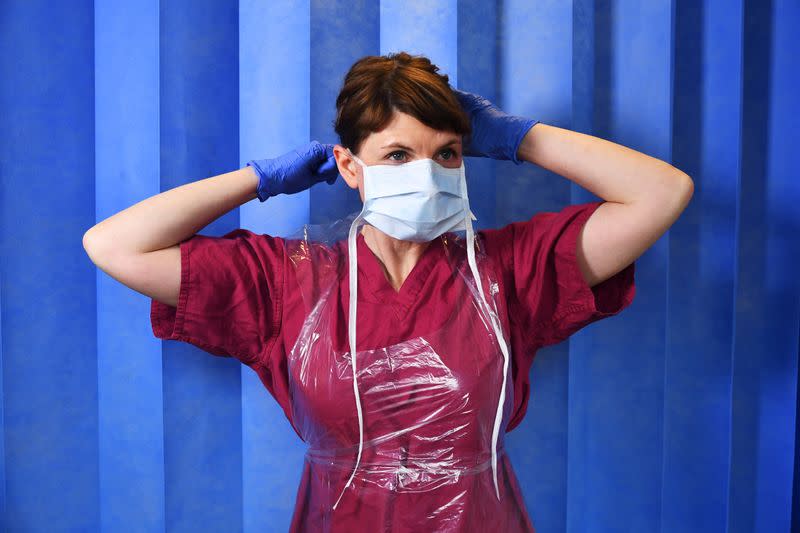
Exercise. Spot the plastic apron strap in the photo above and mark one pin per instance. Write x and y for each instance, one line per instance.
(353, 264)
(497, 328)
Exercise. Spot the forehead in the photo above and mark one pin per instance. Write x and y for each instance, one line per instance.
(407, 130)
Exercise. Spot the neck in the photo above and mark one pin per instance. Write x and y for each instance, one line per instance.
(396, 257)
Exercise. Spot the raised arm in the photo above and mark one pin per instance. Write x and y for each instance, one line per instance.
(644, 195)
(139, 246)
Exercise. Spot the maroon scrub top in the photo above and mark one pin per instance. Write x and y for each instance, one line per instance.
(234, 302)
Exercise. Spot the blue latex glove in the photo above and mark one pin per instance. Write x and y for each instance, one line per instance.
(495, 133)
(296, 170)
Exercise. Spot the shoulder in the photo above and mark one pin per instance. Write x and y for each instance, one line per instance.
(237, 243)
(537, 229)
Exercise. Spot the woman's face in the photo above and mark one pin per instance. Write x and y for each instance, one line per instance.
(403, 140)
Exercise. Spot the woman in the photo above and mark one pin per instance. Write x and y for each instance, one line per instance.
(408, 434)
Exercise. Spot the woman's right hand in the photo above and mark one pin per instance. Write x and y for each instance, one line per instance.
(296, 170)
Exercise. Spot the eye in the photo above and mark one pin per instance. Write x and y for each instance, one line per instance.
(395, 152)
(447, 154)
(453, 154)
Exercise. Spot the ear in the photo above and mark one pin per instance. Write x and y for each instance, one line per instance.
(348, 168)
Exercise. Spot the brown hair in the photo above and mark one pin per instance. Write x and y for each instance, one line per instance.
(376, 86)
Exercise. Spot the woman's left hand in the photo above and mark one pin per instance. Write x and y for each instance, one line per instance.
(495, 134)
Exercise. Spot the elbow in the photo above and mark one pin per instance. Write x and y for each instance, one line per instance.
(676, 189)
(86, 240)
(89, 247)
(685, 181)
(685, 190)
(93, 246)
(89, 240)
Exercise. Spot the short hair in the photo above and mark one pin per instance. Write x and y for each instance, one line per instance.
(376, 86)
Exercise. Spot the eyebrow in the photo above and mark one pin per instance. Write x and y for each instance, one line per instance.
(398, 145)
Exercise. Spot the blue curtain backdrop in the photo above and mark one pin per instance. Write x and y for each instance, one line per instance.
(677, 415)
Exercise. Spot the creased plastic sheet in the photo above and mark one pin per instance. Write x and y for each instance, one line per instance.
(428, 401)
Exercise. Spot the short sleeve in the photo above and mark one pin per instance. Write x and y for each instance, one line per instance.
(230, 296)
(549, 293)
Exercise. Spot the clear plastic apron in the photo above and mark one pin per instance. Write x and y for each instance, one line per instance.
(429, 402)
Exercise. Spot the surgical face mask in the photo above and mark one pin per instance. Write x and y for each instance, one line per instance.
(417, 201)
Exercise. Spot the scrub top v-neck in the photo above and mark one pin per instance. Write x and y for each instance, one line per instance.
(376, 283)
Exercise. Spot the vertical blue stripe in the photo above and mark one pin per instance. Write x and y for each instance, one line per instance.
(341, 33)
(707, 99)
(48, 302)
(477, 73)
(129, 366)
(426, 28)
(534, 70)
(766, 306)
(274, 109)
(616, 389)
(783, 258)
(275, 102)
(199, 138)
